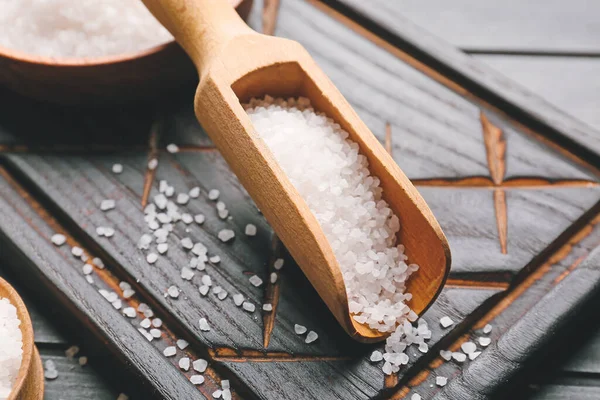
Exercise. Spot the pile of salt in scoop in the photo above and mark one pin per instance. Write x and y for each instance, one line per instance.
(330, 174)
(79, 28)
(11, 347)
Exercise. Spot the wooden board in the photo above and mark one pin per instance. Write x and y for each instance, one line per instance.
(519, 208)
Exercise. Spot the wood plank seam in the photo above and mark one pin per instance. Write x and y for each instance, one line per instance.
(153, 140)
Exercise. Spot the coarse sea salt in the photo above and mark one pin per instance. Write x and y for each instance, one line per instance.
(83, 28)
(11, 347)
(333, 178)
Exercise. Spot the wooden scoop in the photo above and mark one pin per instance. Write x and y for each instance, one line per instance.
(235, 64)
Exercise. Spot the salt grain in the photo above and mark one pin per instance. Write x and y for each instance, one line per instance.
(441, 381)
(157, 322)
(87, 269)
(215, 259)
(468, 347)
(156, 333)
(117, 168)
(247, 306)
(173, 291)
(311, 337)
(217, 394)
(238, 299)
(445, 322)
(213, 194)
(459, 357)
(98, 262)
(184, 363)
(152, 164)
(83, 361)
(128, 293)
(273, 277)
(267, 307)
(187, 243)
(446, 354)
(170, 351)
(203, 289)
(255, 281)
(474, 355)
(197, 379)
(145, 323)
(187, 218)
(250, 230)
(487, 329)
(376, 356)
(162, 248)
(199, 219)
(58, 239)
(122, 396)
(278, 264)
(129, 312)
(71, 352)
(107, 204)
(484, 341)
(187, 274)
(172, 148)
(416, 396)
(203, 324)
(77, 251)
(182, 344)
(183, 198)
(194, 192)
(200, 365)
(151, 258)
(299, 329)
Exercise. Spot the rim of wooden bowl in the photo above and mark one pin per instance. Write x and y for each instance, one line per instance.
(7, 291)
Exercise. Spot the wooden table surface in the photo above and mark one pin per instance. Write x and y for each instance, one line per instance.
(552, 50)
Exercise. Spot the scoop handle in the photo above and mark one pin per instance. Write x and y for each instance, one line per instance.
(201, 27)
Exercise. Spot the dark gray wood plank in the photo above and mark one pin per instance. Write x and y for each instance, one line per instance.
(570, 83)
(513, 25)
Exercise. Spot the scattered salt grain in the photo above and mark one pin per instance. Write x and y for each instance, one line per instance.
(255, 281)
(199, 218)
(203, 289)
(278, 264)
(187, 243)
(441, 380)
(89, 279)
(423, 348)
(152, 164)
(273, 277)
(222, 295)
(146, 334)
(487, 329)
(213, 194)
(217, 289)
(117, 168)
(129, 312)
(250, 230)
(203, 324)
(225, 384)
(311, 337)
(446, 354)
(484, 341)
(376, 356)
(184, 363)
(215, 259)
(77, 251)
(187, 218)
(200, 365)
(187, 273)
(183, 198)
(247, 306)
(151, 258)
(145, 323)
(468, 347)
(459, 357)
(238, 299)
(299, 329)
(173, 291)
(50, 371)
(182, 344)
(124, 285)
(416, 396)
(144, 242)
(474, 355)
(197, 379)
(98, 262)
(172, 148)
(117, 304)
(157, 322)
(267, 307)
(445, 322)
(194, 192)
(206, 280)
(87, 269)
(170, 351)
(156, 333)
(387, 368)
(217, 394)
(58, 239)
(107, 204)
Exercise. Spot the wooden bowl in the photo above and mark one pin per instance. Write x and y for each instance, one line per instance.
(30, 381)
(147, 75)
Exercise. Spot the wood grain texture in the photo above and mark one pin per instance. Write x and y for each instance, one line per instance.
(472, 75)
(510, 26)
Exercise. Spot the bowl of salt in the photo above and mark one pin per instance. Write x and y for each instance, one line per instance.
(21, 372)
(90, 52)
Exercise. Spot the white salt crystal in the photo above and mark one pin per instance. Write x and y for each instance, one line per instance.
(145, 323)
(468, 347)
(203, 289)
(184, 363)
(156, 333)
(217, 394)
(98, 262)
(146, 334)
(173, 291)
(157, 322)
(197, 379)
(273, 277)
(446, 354)
(487, 329)
(213, 194)
(151, 258)
(250, 230)
(255, 281)
(474, 355)
(187, 218)
(117, 168)
(222, 295)
(183, 198)
(152, 164)
(107, 204)
(225, 384)
(387, 368)
(108, 232)
(199, 218)
(278, 264)
(162, 248)
(144, 242)
(58, 239)
(215, 259)
(441, 381)
(311, 337)
(89, 279)
(161, 201)
(77, 251)
(217, 289)
(187, 273)
(416, 396)
(445, 322)
(117, 304)
(484, 341)
(267, 307)
(194, 192)
(206, 280)
(182, 343)
(200, 365)
(460, 357)
(87, 269)
(203, 324)
(376, 356)
(172, 148)
(238, 299)
(226, 235)
(299, 329)
(170, 351)
(423, 348)
(248, 306)
(128, 293)
(124, 285)
(187, 243)
(129, 312)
